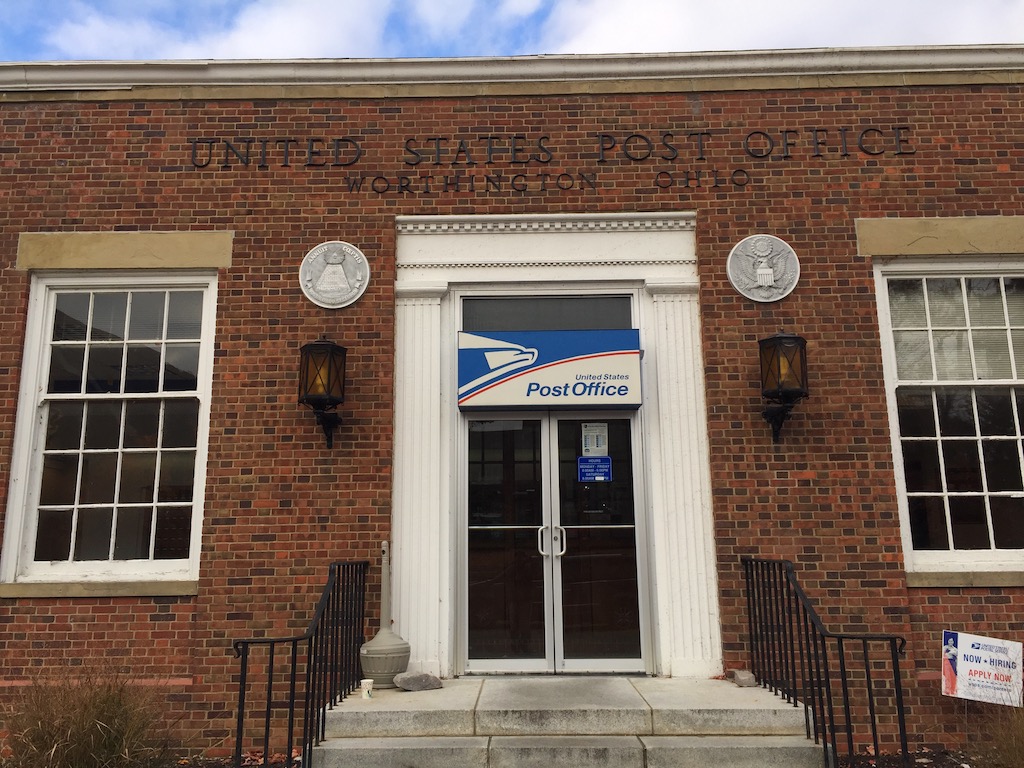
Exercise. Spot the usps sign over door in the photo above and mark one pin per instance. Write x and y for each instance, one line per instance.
(550, 369)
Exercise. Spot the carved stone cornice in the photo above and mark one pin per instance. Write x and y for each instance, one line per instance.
(557, 246)
(543, 264)
(546, 223)
(547, 74)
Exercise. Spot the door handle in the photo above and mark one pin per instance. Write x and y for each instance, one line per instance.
(540, 540)
(560, 538)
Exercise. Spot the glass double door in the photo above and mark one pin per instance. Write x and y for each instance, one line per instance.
(552, 580)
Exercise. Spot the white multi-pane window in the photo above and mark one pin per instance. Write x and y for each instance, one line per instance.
(112, 445)
(955, 368)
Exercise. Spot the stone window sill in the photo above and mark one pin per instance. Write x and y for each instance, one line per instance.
(965, 579)
(100, 589)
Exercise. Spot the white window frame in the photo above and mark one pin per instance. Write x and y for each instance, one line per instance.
(16, 559)
(937, 561)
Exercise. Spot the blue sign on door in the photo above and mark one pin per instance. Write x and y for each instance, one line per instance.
(594, 469)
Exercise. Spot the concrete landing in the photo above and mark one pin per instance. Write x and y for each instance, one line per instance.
(555, 706)
(567, 706)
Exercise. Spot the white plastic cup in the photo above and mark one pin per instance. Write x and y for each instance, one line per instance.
(367, 685)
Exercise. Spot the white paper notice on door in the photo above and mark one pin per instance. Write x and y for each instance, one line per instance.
(595, 438)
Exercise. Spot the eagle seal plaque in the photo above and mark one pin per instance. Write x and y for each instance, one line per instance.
(334, 274)
(763, 268)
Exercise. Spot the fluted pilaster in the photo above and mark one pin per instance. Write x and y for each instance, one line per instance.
(689, 631)
(420, 528)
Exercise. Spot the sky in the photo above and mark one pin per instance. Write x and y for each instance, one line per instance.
(61, 30)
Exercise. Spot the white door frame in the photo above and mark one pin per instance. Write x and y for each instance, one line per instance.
(653, 254)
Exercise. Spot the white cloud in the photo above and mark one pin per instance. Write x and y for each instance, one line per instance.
(442, 18)
(259, 29)
(518, 8)
(157, 29)
(269, 29)
(611, 26)
(96, 37)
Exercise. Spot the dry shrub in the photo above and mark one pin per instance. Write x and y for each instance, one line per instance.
(1005, 745)
(88, 717)
(998, 738)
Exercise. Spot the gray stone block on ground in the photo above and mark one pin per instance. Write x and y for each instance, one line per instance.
(417, 681)
(742, 677)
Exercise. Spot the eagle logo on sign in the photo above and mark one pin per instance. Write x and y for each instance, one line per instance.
(496, 358)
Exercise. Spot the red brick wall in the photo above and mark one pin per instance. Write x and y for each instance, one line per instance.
(279, 506)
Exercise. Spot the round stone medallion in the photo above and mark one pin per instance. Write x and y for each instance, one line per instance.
(763, 268)
(334, 274)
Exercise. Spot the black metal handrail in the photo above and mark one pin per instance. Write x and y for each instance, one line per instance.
(326, 660)
(846, 691)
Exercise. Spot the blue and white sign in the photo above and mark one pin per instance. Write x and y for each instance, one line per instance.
(594, 469)
(550, 369)
(981, 668)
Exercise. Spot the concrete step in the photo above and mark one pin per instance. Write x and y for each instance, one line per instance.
(570, 752)
(448, 711)
(716, 707)
(731, 752)
(570, 722)
(566, 752)
(553, 706)
(403, 752)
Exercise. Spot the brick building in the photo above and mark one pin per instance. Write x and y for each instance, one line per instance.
(172, 233)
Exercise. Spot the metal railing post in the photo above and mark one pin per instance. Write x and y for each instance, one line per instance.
(331, 658)
(242, 651)
(789, 653)
(896, 648)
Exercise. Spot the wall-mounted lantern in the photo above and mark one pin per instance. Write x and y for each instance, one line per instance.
(322, 383)
(783, 377)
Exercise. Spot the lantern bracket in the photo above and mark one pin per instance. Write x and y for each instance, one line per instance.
(329, 422)
(776, 416)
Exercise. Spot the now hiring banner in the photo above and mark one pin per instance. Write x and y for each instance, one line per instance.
(981, 668)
